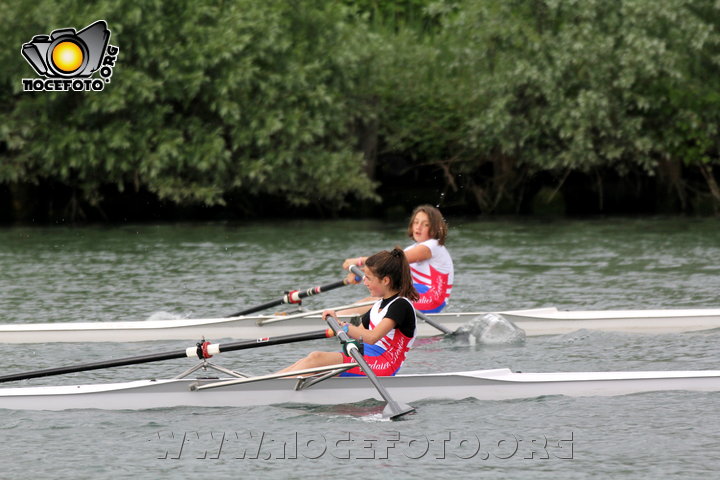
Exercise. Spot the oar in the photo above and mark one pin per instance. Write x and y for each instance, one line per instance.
(295, 296)
(285, 318)
(201, 350)
(445, 330)
(393, 409)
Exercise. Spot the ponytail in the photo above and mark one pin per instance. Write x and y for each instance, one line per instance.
(394, 264)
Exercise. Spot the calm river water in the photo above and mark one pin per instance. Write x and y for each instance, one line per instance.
(134, 272)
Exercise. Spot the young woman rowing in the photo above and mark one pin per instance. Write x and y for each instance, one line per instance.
(388, 329)
(430, 262)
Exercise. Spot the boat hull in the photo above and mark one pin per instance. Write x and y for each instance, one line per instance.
(557, 322)
(499, 384)
(241, 328)
(543, 321)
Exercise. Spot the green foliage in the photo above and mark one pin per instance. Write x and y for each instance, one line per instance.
(527, 86)
(207, 97)
(214, 98)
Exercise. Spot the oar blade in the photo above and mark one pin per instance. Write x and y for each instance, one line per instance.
(394, 410)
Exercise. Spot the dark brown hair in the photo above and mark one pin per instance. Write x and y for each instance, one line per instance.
(394, 264)
(438, 226)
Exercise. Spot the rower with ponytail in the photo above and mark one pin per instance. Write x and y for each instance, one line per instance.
(388, 328)
(394, 264)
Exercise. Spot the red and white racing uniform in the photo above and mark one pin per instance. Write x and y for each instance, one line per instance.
(433, 278)
(387, 355)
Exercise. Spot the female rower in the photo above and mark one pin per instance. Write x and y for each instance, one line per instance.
(388, 329)
(430, 262)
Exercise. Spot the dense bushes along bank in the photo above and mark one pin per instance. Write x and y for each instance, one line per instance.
(245, 108)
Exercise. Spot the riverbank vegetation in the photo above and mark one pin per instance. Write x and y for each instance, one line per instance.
(352, 107)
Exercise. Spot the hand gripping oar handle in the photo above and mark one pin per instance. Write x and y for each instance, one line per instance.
(202, 350)
(356, 270)
(359, 274)
(295, 296)
(393, 409)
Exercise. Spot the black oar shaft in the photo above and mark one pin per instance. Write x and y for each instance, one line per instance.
(258, 308)
(291, 297)
(268, 341)
(159, 357)
(49, 372)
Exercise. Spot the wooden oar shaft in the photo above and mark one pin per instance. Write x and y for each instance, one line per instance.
(292, 297)
(159, 357)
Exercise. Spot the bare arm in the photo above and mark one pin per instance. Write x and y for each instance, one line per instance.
(418, 253)
(371, 336)
(353, 261)
(358, 332)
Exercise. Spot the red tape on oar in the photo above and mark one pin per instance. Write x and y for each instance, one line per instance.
(295, 296)
(202, 350)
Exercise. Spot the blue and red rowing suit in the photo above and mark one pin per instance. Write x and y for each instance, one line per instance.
(387, 355)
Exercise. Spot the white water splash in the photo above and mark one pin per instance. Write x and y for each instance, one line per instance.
(493, 329)
(164, 316)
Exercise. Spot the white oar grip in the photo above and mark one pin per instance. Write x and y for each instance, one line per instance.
(203, 350)
(293, 297)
